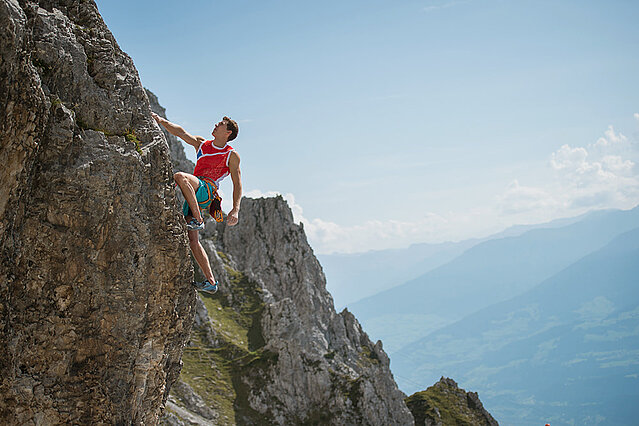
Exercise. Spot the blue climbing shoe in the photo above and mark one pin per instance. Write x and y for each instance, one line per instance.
(194, 225)
(206, 286)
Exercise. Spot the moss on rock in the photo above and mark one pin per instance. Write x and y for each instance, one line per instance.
(216, 373)
(445, 403)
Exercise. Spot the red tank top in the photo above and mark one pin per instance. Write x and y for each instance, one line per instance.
(213, 162)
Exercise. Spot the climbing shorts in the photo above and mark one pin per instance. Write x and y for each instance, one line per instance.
(205, 194)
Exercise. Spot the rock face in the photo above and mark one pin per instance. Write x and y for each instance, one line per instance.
(445, 403)
(325, 366)
(178, 158)
(96, 302)
(269, 348)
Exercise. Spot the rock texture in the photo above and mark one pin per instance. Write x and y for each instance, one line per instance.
(96, 302)
(178, 158)
(445, 403)
(269, 348)
(326, 368)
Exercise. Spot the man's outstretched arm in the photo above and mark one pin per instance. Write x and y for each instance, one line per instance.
(177, 130)
(236, 177)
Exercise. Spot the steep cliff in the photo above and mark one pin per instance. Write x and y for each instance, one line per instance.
(96, 302)
(269, 348)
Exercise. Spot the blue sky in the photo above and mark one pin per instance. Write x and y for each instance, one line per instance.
(390, 123)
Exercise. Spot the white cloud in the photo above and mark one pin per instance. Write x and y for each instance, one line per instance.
(611, 138)
(600, 175)
(637, 115)
(567, 158)
(618, 165)
(328, 237)
(518, 199)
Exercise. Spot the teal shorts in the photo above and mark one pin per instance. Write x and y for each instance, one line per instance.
(204, 195)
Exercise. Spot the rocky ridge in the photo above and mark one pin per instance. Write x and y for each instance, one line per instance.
(269, 348)
(96, 303)
(445, 403)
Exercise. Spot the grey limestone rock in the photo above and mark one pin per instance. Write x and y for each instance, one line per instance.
(96, 302)
(193, 402)
(178, 158)
(324, 367)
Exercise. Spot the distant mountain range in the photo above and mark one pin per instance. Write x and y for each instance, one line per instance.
(352, 277)
(487, 273)
(565, 351)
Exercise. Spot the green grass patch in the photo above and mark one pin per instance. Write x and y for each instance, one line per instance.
(132, 137)
(368, 355)
(453, 409)
(246, 300)
(208, 372)
(227, 322)
(217, 374)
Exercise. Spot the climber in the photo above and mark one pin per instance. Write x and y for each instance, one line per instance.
(216, 159)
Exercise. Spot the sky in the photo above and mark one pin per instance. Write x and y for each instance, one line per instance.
(388, 123)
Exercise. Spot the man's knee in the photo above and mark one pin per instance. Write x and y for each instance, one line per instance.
(179, 176)
(182, 178)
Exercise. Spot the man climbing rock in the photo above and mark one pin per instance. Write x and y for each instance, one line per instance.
(216, 159)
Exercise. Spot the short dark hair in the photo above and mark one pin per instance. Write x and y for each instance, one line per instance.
(232, 126)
